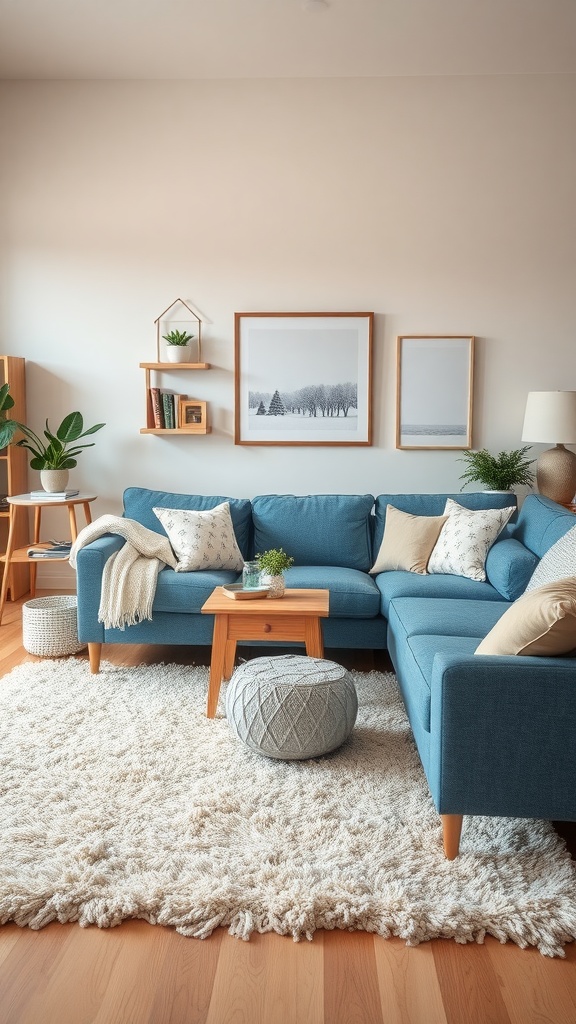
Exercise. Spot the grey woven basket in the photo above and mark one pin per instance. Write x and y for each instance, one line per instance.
(50, 626)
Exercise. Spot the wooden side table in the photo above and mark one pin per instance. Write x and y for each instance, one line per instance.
(296, 616)
(14, 555)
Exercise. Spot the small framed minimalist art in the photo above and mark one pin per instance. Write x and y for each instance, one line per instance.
(192, 415)
(434, 379)
(303, 378)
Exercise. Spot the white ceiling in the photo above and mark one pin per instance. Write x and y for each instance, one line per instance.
(188, 39)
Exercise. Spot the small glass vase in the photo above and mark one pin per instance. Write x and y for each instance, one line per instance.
(251, 576)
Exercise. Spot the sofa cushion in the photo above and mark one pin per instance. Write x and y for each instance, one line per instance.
(411, 584)
(201, 540)
(541, 522)
(541, 623)
(466, 538)
(431, 505)
(445, 617)
(509, 566)
(408, 541)
(415, 656)
(316, 529)
(139, 503)
(188, 591)
(353, 594)
(557, 563)
(422, 649)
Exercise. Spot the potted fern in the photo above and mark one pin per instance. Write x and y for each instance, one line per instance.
(178, 346)
(500, 472)
(272, 565)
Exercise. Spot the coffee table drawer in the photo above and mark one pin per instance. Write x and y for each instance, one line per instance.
(261, 627)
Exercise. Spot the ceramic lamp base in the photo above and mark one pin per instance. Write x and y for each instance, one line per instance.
(556, 474)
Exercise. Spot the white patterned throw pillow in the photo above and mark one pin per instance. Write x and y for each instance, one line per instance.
(202, 540)
(466, 538)
(557, 563)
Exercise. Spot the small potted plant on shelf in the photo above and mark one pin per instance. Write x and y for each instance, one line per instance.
(178, 346)
(53, 457)
(272, 565)
(500, 472)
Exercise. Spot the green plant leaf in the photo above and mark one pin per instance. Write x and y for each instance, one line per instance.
(70, 428)
(6, 400)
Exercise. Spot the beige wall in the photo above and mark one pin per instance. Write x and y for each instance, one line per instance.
(446, 205)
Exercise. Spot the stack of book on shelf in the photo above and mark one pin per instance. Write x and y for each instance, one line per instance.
(165, 408)
(53, 495)
(50, 549)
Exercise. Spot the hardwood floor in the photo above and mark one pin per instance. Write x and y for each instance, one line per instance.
(138, 973)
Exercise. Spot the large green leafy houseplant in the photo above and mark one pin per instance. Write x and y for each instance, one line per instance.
(59, 450)
(499, 472)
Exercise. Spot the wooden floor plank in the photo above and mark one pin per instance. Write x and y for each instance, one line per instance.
(27, 973)
(351, 994)
(293, 988)
(535, 989)
(238, 993)
(409, 988)
(468, 983)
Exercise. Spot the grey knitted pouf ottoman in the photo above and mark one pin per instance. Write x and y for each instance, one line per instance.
(291, 707)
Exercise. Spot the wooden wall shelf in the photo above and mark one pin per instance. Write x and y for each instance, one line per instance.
(162, 368)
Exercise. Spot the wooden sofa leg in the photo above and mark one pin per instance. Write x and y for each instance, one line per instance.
(452, 828)
(94, 652)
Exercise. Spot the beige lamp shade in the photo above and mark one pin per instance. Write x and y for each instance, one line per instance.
(551, 417)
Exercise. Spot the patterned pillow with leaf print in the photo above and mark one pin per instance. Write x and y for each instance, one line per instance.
(201, 540)
(466, 538)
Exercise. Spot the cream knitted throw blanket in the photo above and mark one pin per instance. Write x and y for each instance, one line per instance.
(130, 574)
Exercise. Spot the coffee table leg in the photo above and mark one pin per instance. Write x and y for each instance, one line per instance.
(313, 637)
(229, 658)
(217, 663)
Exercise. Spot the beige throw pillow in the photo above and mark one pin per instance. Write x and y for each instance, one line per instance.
(542, 622)
(202, 540)
(466, 538)
(408, 541)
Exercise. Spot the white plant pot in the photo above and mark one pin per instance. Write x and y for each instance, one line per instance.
(276, 584)
(178, 353)
(54, 479)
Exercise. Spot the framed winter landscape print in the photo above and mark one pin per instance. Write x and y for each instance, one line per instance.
(434, 391)
(303, 378)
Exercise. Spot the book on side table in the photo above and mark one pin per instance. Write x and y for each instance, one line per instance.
(54, 495)
(50, 549)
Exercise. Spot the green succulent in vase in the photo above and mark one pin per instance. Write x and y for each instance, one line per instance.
(178, 338)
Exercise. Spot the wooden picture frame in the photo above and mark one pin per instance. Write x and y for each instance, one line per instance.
(303, 378)
(193, 415)
(434, 391)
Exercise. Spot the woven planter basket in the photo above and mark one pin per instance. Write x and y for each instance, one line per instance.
(50, 627)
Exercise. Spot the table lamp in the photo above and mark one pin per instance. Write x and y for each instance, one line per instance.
(551, 417)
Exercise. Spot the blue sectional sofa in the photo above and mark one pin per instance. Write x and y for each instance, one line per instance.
(496, 735)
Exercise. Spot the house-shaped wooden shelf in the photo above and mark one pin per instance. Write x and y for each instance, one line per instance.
(198, 363)
(193, 426)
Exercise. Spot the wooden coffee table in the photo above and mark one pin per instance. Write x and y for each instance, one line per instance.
(296, 616)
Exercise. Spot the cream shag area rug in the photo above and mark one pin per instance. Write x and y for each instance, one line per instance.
(119, 799)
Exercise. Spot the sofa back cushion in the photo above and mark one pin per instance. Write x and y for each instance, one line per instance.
(433, 505)
(139, 504)
(316, 529)
(557, 563)
(541, 522)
